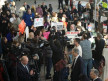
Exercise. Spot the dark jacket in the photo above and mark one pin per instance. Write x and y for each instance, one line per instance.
(77, 70)
(98, 79)
(26, 7)
(22, 73)
(44, 9)
(60, 15)
(99, 49)
(0, 47)
(79, 8)
(57, 53)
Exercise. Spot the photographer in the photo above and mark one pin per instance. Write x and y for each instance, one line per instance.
(48, 57)
(56, 58)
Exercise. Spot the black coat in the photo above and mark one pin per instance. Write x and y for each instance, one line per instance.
(57, 53)
(98, 79)
(44, 8)
(26, 8)
(0, 46)
(99, 49)
(79, 8)
(77, 70)
(22, 73)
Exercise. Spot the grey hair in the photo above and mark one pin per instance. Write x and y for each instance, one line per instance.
(96, 72)
(76, 50)
(99, 35)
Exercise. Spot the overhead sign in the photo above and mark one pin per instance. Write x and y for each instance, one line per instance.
(38, 22)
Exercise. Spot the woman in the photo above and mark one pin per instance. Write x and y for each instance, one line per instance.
(13, 7)
(54, 17)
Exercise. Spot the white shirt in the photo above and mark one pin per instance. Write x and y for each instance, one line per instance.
(25, 66)
(95, 78)
(80, 50)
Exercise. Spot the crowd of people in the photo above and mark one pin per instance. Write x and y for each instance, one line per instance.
(22, 57)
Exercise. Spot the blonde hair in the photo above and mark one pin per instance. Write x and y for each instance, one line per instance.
(13, 3)
(88, 6)
(33, 7)
(54, 14)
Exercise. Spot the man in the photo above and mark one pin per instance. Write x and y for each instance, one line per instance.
(94, 75)
(23, 70)
(72, 28)
(28, 18)
(86, 54)
(26, 6)
(39, 10)
(44, 8)
(77, 66)
(77, 45)
(60, 14)
(60, 3)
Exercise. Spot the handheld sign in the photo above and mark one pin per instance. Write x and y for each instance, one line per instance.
(53, 24)
(59, 25)
(103, 19)
(38, 22)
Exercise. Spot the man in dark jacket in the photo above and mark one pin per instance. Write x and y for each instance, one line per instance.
(60, 14)
(0, 47)
(77, 66)
(94, 75)
(26, 6)
(23, 70)
(44, 8)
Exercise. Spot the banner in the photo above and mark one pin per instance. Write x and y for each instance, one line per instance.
(72, 34)
(104, 26)
(38, 22)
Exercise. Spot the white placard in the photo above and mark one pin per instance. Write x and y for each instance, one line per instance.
(103, 18)
(38, 22)
(53, 24)
(59, 25)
